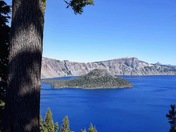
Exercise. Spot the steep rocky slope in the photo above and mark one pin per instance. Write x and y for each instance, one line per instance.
(123, 66)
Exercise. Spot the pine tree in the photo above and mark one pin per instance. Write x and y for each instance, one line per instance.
(92, 128)
(78, 5)
(48, 122)
(83, 130)
(172, 118)
(65, 125)
(41, 124)
(56, 127)
(4, 45)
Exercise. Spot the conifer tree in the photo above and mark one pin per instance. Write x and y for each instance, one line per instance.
(56, 127)
(65, 125)
(83, 130)
(48, 122)
(92, 128)
(172, 118)
(4, 45)
(41, 124)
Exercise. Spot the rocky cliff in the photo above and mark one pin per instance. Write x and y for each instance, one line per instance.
(123, 66)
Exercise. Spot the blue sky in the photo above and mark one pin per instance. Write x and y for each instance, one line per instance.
(111, 29)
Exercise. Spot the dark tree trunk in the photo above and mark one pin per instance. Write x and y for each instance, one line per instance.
(23, 91)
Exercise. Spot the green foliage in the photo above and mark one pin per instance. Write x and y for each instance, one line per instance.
(78, 5)
(95, 79)
(48, 125)
(172, 118)
(92, 128)
(41, 124)
(83, 130)
(43, 6)
(65, 125)
(4, 13)
(48, 122)
(56, 127)
(4, 45)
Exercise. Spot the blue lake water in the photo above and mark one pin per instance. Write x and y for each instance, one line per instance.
(137, 109)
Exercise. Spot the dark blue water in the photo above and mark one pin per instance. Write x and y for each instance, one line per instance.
(138, 109)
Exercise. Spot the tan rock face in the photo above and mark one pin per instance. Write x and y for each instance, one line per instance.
(123, 66)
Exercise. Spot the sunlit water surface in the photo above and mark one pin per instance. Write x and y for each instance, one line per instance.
(138, 109)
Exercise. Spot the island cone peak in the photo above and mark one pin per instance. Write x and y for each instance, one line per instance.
(95, 79)
(97, 73)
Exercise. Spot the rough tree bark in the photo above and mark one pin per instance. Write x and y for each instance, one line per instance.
(25, 54)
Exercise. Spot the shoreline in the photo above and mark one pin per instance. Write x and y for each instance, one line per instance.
(115, 75)
(69, 87)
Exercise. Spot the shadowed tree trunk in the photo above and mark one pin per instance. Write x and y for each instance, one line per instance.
(25, 54)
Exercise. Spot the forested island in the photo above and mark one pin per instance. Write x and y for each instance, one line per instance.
(96, 79)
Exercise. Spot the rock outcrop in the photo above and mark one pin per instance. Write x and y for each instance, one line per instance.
(123, 66)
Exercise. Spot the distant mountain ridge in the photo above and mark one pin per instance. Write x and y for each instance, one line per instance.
(122, 66)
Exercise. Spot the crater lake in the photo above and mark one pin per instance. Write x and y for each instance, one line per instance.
(140, 108)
